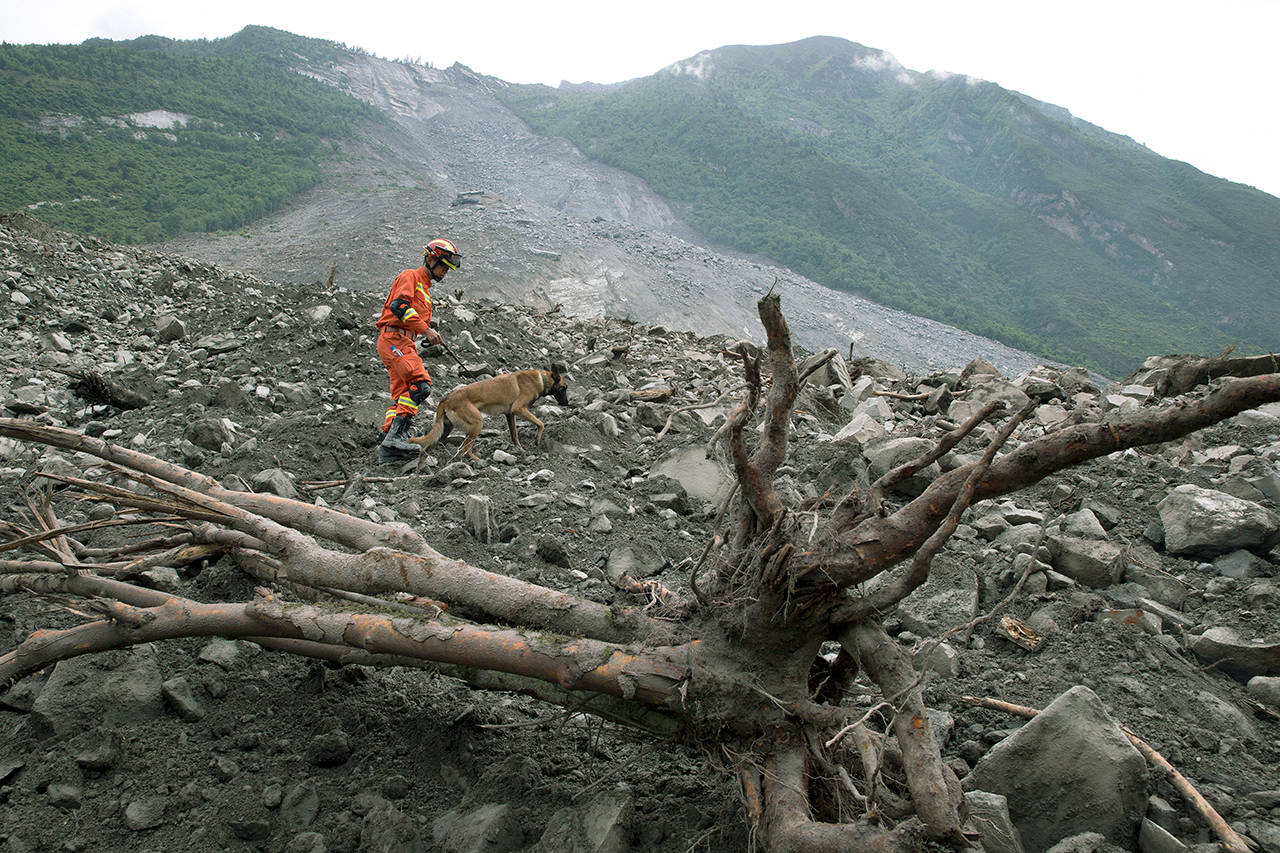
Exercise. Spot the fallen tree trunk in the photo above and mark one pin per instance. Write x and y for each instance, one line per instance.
(732, 670)
(1174, 375)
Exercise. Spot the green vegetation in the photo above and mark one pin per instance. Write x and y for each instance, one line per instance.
(944, 197)
(257, 135)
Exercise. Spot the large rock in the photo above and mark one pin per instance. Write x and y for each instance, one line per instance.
(1205, 523)
(885, 455)
(110, 689)
(275, 481)
(386, 828)
(1069, 770)
(1266, 690)
(1237, 656)
(209, 433)
(1092, 562)
(989, 814)
(701, 477)
(169, 328)
(478, 513)
(491, 828)
(862, 429)
(601, 826)
(638, 560)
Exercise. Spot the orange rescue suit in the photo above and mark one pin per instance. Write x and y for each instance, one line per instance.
(406, 313)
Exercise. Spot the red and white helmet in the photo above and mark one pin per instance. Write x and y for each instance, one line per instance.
(443, 251)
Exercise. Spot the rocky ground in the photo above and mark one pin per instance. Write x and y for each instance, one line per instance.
(1142, 590)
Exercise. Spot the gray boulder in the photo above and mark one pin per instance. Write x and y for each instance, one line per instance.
(703, 478)
(1237, 656)
(885, 455)
(638, 560)
(1087, 842)
(208, 433)
(386, 829)
(1069, 770)
(989, 814)
(601, 826)
(169, 328)
(1265, 689)
(1083, 524)
(1093, 562)
(490, 828)
(113, 688)
(1243, 564)
(1205, 523)
(275, 481)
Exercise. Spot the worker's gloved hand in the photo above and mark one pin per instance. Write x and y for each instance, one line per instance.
(432, 336)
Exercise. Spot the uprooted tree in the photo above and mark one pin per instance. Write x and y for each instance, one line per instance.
(736, 668)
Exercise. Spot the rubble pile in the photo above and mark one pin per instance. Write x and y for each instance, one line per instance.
(1138, 589)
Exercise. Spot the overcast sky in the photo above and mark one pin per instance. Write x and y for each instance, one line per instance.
(1191, 79)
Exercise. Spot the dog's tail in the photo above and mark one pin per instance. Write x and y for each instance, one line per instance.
(439, 428)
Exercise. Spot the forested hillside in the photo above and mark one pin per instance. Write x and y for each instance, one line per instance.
(941, 195)
(141, 140)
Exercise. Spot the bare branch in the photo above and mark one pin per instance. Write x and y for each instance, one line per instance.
(902, 586)
(909, 469)
(875, 544)
(379, 568)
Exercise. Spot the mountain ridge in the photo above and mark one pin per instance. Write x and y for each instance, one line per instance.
(1041, 269)
(983, 191)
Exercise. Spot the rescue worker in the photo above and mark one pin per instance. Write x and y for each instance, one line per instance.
(406, 314)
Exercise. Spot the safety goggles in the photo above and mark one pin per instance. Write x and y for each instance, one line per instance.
(453, 265)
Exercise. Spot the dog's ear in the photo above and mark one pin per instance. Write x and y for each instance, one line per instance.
(558, 367)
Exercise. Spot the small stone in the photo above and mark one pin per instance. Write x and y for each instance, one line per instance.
(301, 805)
(163, 578)
(144, 814)
(307, 842)
(331, 749)
(64, 796)
(177, 692)
(224, 653)
(395, 787)
(102, 511)
(251, 830)
(224, 769)
(101, 755)
(552, 550)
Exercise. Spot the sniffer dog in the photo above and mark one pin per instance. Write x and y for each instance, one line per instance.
(509, 394)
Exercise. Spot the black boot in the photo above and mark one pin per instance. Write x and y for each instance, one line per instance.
(396, 445)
